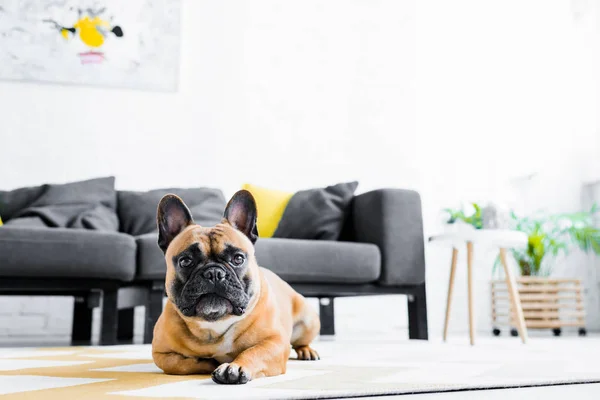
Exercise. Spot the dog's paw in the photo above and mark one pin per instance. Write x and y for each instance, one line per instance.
(306, 353)
(231, 374)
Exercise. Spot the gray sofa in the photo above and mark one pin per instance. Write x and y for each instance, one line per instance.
(380, 252)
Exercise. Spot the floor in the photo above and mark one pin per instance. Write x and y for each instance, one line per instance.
(559, 392)
(578, 392)
(349, 366)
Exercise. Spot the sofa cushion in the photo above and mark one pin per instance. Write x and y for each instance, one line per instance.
(314, 261)
(316, 213)
(294, 260)
(137, 210)
(66, 253)
(270, 205)
(89, 204)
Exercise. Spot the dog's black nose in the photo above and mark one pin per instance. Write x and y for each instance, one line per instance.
(215, 274)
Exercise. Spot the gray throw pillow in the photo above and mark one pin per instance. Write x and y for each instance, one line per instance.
(137, 210)
(13, 201)
(317, 214)
(89, 204)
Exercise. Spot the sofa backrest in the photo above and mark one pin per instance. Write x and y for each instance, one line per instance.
(137, 210)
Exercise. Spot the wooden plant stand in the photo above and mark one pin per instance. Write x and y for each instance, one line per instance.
(547, 303)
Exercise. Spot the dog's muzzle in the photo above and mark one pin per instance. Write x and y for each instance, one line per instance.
(213, 292)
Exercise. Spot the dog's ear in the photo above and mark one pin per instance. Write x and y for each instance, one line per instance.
(241, 214)
(172, 217)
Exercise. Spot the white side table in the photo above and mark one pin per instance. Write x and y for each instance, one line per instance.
(499, 238)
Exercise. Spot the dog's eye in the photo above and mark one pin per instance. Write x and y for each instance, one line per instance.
(185, 262)
(238, 259)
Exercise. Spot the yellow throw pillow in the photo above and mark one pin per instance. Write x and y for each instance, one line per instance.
(0, 221)
(270, 206)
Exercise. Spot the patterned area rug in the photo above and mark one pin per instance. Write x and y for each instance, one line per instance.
(350, 368)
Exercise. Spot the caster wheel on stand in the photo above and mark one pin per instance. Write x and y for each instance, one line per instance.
(582, 332)
(514, 332)
(496, 332)
(556, 331)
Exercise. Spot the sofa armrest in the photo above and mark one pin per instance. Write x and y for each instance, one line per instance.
(392, 220)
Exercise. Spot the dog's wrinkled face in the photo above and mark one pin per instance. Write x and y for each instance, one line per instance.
(211, 272)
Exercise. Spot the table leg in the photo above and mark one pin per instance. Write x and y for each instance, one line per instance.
(514, 297)
(450, 288)
(470, 291)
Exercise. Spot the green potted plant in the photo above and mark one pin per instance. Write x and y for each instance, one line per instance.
(472, 218)
(549, 303)
(553, 235)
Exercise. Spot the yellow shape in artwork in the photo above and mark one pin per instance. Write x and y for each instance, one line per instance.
(88, 31)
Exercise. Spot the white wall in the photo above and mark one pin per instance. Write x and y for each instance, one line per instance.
(449, 98)
(289, 95)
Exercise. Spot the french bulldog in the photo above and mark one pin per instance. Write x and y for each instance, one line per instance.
(225, 315)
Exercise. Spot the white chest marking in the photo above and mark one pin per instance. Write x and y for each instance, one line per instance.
(219, 327)
(225, 347)
(226, 332)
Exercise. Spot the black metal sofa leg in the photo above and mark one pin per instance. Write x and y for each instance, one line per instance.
(154, 305)
(108, 327)
(417, 314)
(327, 315)
(126, 324)
(81, 332)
